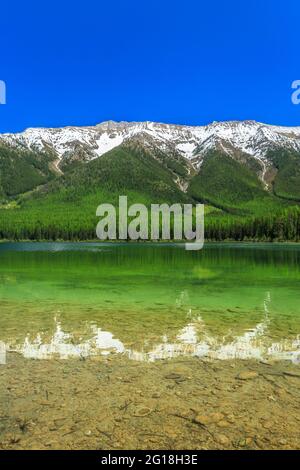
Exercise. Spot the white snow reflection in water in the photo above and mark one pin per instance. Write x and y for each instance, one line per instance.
(192, 340)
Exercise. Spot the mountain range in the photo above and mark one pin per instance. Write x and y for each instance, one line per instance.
(240, 169)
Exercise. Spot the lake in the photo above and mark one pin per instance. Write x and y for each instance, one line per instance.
(150, 301)
(138, 311)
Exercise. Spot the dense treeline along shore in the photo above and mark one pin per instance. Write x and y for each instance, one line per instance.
(277, 228)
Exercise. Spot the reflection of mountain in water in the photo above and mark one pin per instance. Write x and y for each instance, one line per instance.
(192, 340)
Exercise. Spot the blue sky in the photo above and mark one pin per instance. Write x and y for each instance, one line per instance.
(189, 62)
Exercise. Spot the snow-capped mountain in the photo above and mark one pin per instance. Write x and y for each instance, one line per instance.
(247, 137)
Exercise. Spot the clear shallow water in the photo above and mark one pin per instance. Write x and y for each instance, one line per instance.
(150, 301)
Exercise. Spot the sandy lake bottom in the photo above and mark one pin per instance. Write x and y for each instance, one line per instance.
(114, 403)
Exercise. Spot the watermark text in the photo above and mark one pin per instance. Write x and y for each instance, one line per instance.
(296, 93)
(2, 92)
(159, 222)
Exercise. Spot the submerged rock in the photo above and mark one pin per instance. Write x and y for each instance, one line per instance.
(176, 377)
(212, 418)
(247, 375)
(142, 411)
(222, 439)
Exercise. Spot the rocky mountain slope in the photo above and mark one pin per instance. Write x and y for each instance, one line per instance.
(239, 168)
(244, 141)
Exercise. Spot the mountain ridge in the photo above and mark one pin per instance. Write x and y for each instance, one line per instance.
(52, 180)
(86, 143)
(238, 132)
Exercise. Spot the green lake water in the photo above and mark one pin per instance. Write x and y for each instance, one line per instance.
(150, 301)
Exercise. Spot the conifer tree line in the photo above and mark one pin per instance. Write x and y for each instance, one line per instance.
(280, 226)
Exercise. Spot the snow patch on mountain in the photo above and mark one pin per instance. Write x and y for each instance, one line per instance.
(187, 149)
(106, 143)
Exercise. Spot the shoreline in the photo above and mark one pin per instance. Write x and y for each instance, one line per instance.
(153, 242)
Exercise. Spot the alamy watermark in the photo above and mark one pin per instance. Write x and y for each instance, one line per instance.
(2, 92)
(161, 222)
(296, 93)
